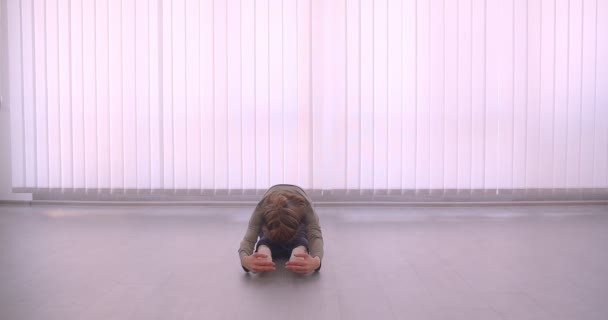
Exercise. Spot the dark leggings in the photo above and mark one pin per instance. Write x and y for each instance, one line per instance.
(283, 250)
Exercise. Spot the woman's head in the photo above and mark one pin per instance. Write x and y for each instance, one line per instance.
(282, 212)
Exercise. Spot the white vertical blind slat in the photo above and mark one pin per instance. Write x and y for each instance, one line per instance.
(520, 47)
(547, 76)
(65, 103)
(600, 165)
(588, 86)
(394, 94)
(334, 149)
(234, 95)
(52, 80)
(318, 103)
(304, 92)
(317, 50)
(367, 94)
(533, 94)
(574, 94)
(493, 125)
(102, 92)
(115, 90)
(179, 110)
(353, 94)
(142, 95)
(41, 124)
(436, 111)
(291, 122)
(450, 101)
(89, 95)
(129, 94)
(423, 87)
(248, 93)
(380, 94)
(465, 91)
(506, 61)
(339, 129)
(275, 92)
(77, 93)
(262, 93)
(16, 91)
(192, 94)
(478, 94)
(561, 93)
(409, 149)
(167, 89)
(331, 132)
(97, 93)
(155, 93)
(220, 95)
(207, 121)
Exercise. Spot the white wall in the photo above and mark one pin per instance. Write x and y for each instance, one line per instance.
(5, 144)
(5, 160)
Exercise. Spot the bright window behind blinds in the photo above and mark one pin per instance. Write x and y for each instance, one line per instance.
(426, 94)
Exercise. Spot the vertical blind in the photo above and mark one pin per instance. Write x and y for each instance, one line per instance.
(364, 94)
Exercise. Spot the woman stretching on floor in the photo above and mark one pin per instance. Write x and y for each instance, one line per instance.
(283, 225)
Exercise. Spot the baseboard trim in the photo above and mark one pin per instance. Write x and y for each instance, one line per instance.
(326, 197)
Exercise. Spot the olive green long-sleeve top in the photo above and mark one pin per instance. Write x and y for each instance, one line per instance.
(310, 220)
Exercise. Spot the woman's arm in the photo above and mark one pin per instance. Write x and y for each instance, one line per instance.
(314, 235)
(251, 236)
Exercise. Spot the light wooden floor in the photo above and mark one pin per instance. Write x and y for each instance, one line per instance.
(176, 263)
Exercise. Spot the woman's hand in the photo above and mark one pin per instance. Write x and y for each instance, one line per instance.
(258, 262)
(305, 264)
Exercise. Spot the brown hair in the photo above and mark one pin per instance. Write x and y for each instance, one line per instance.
(282, 212)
